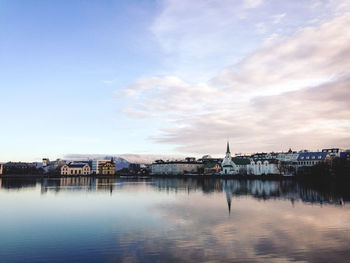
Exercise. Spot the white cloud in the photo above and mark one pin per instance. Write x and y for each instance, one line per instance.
(252, 3)
(277, 18)
(292, 91)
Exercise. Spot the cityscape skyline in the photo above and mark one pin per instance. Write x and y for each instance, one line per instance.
(173, 77)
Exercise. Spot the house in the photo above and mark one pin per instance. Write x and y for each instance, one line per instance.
(189, 165)
(75, 169)
(107, 168)
(212, 167)
(333, 152)
(312, 158)
(263, 166)
(345, 155)
(242, 164)
(288, 157)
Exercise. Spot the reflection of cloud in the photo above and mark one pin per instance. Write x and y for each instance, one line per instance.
(258, 232)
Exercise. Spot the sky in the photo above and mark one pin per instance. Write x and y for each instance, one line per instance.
(174, 77)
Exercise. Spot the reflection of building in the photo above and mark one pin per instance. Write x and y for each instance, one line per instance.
(75, 169)
(189, 165)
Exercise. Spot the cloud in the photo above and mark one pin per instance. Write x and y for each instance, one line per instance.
(293, 91)
(277, 18)
(313, 53)
(252, 3)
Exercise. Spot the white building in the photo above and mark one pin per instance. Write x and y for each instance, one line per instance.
(190, 165)
(75, 169)
(228, 166)
(288, 157)
(263, 167)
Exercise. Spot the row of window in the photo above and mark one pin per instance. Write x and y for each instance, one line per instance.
(308, 157)
(308, 162)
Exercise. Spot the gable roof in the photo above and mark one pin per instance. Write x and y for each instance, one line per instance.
(76, 165)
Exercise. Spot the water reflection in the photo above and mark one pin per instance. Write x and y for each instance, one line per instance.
(287, 189)
(86, 219)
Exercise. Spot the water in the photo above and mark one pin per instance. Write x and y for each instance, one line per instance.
(171, 220)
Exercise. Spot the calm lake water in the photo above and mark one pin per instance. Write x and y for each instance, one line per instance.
(171, 220)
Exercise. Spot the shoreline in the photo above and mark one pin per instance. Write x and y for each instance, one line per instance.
(197, 176)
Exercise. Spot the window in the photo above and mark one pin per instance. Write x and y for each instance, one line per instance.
(307, 157)
(319, 157)
(302, 157)
(313, 157)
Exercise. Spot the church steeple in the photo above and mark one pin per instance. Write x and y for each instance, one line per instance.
(228, 148)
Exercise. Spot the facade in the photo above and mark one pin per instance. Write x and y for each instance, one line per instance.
(101, 167)
(242, 164)
(345, 155)
(190, 165)
(333, 152)
(263, 167)
(312, 158)
(266, 156)
(107, 168)
(212, 167)
(46, 162)
(288, 157)
(227, 165)
(75, 169)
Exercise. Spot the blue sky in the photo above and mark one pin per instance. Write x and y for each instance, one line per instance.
(172, 77)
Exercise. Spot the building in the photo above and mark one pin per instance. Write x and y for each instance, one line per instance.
(333, 152)
(264, 156)
(312, 158)
(107, 168)
(228, 166)
(263, 166)
(46, 162)
(345, 155)
(242, 164)
(288, 157)
(75, 169)
(212, 167)
(97, 166)
(189, 165)
(1, 167)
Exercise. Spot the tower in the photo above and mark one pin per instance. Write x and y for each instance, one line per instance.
(228, 166)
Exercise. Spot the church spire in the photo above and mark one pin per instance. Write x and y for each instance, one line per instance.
(228, 147)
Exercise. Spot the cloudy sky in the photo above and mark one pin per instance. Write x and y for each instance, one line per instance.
(173, 76)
